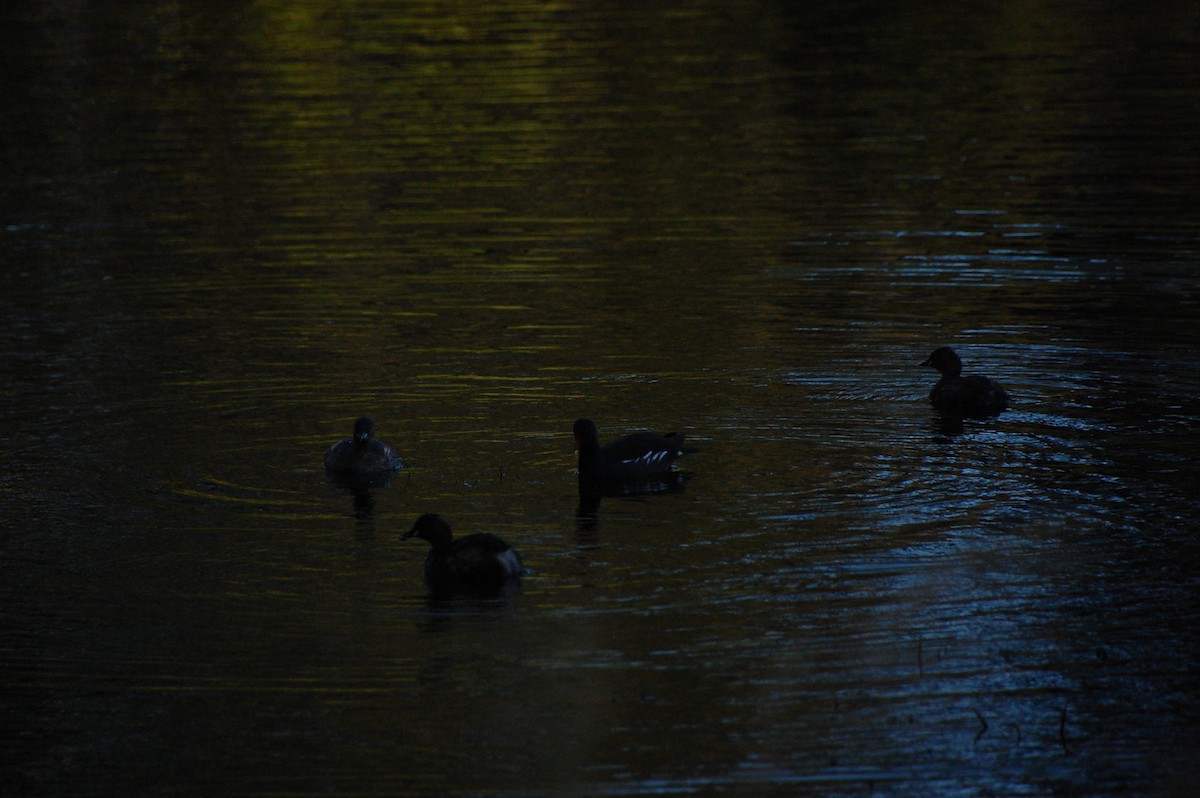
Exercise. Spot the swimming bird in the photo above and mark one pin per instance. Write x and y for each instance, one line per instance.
(632, 457)
(362, 454)
(480, 563)
(970, 397)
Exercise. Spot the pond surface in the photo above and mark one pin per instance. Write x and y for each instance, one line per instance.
(231, 228)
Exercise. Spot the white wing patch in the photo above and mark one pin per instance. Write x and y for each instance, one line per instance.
(511, 561)
(652, 458)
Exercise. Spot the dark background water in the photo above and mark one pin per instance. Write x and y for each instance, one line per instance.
(229, 228)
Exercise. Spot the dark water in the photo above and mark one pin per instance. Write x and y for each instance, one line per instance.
(229, 228)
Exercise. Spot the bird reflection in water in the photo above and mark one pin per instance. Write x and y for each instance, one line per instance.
(587, 513)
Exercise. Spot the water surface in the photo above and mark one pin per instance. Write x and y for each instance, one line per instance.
(230, 229)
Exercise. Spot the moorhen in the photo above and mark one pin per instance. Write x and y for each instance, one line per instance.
(971, 397)
(361, 455)
(632, 457)
(479, 563)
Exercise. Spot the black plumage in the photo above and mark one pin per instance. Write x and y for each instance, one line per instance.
(632, 457)
(362, 454)
(969, 397)
(479, 563)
